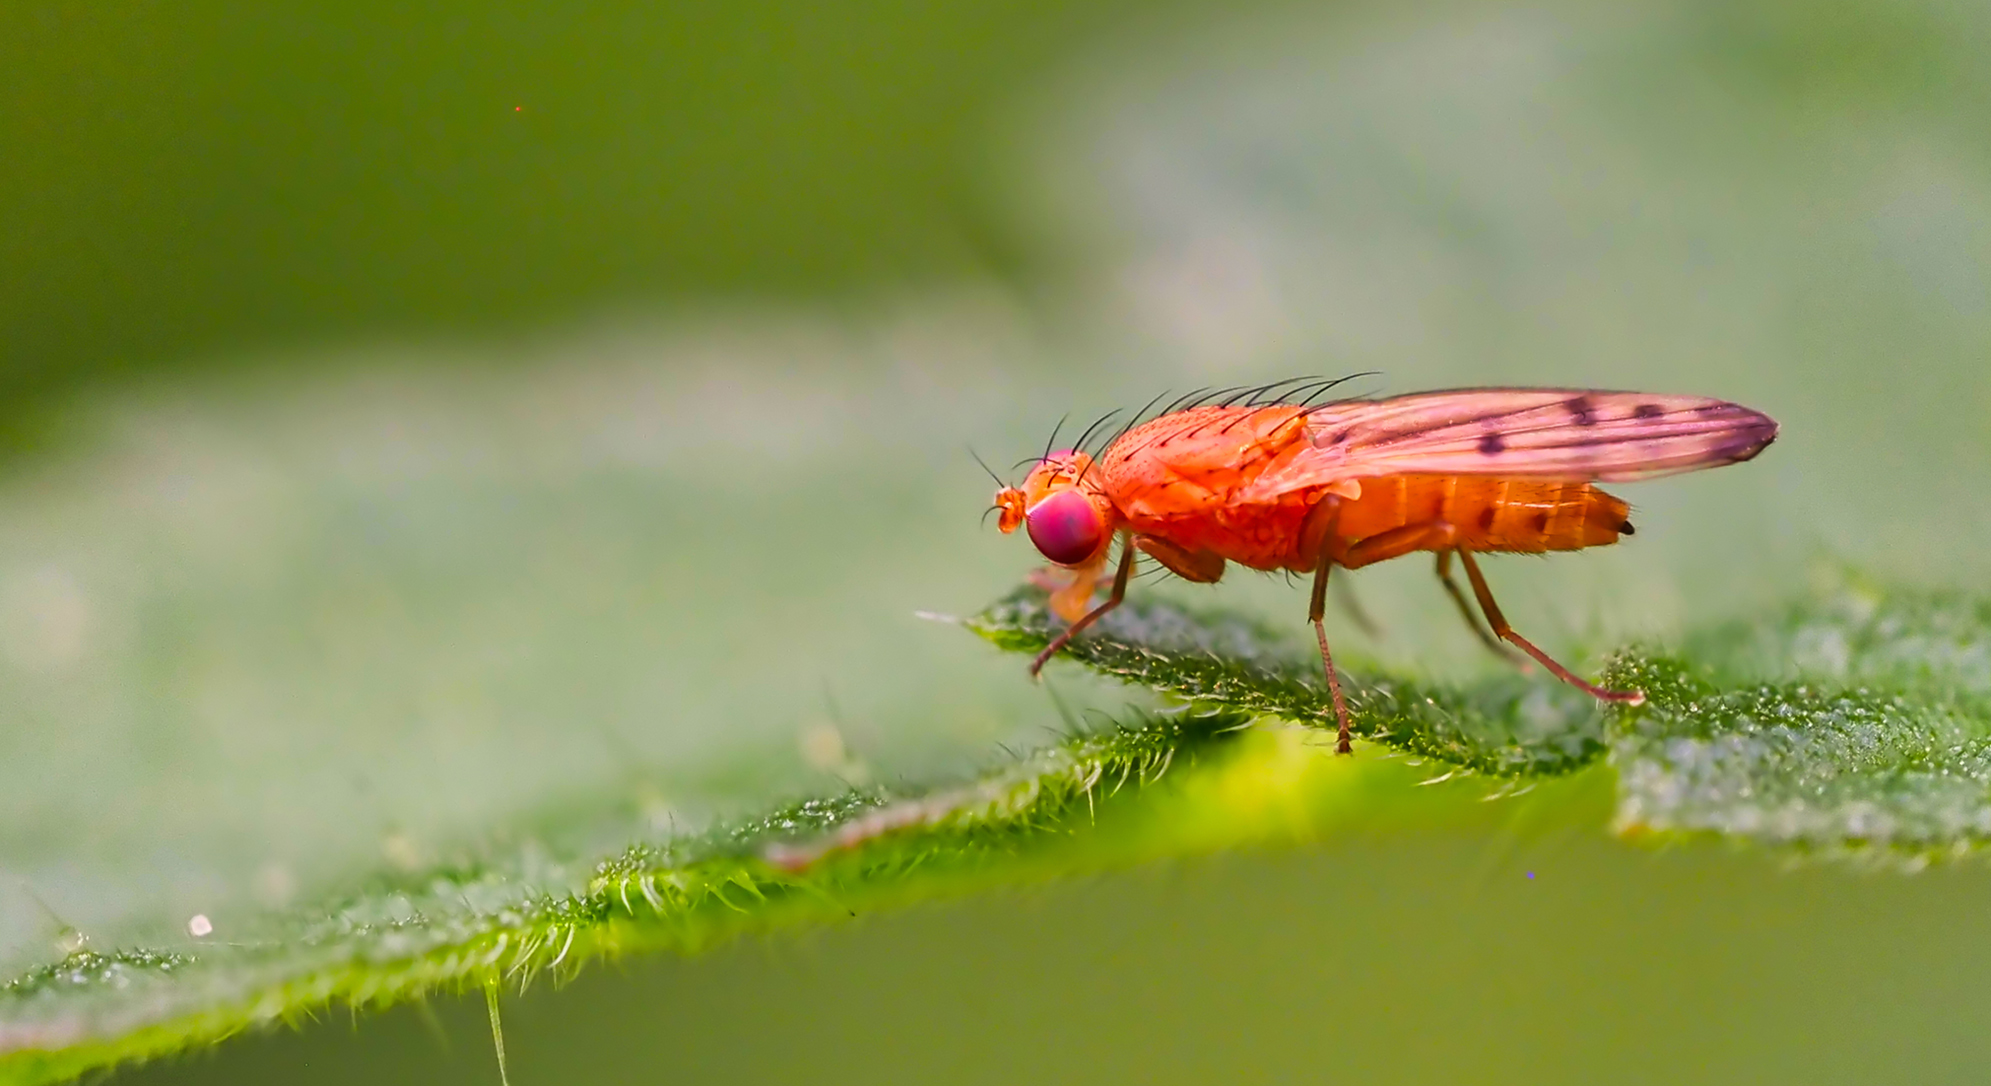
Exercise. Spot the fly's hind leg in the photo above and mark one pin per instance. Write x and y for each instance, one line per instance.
(1500, 627)
(1120, 579)
(1491, 642)
(1345, 596)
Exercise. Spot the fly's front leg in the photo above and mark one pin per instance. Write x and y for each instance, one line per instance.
(1120, 579)
(1499, 623)
(1070, 589)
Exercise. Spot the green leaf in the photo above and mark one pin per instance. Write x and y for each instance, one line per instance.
(1879, 732)
(1872, 736)
(1505, 725)
(312, 685)
(1173, 784)
(1876, 728)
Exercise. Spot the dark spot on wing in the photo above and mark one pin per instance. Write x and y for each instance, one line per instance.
(1340, 437)
(1486, 516)
(1581, 411)
(1541, 522)
(1627, 529)
(1492, 444)
(1647, 411)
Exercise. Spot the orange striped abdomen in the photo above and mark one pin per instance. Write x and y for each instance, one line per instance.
(1491, 513)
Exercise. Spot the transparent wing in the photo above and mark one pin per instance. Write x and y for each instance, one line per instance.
(1542, 433)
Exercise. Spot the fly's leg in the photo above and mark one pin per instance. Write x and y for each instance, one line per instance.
(1500, 627)
(1491, 642)
(1315, 611)
(1119, 591)
(1345, 596)
(1316, 537)
(1435, 535)
(1376, 548)
(1397, 542)
(1196, 567)
(1070, 589)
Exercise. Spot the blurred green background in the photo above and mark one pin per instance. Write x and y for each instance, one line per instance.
(215, 178)
(474, 430)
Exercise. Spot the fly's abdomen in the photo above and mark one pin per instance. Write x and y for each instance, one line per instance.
(1490, 513)
(1529, 517)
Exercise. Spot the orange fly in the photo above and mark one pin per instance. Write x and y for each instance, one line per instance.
(1272, 483)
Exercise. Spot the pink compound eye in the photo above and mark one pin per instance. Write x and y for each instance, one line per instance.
(1065, 527)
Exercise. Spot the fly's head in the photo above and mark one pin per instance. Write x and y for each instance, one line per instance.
(1067, 516)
